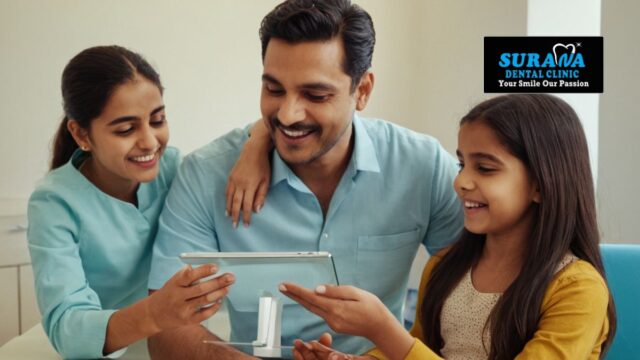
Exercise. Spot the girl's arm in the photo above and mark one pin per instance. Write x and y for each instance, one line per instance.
(353, 311)
(249, 179)
(574, 320)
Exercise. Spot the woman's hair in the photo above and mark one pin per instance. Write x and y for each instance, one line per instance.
(88, 81)
(545, 134)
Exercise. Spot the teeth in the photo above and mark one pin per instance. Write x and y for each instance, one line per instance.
(294, 133)
(472, 204)
(144, 158)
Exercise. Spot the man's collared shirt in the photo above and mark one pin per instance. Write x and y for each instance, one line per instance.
(395, 194)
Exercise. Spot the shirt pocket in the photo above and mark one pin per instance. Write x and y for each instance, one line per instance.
(383, 261)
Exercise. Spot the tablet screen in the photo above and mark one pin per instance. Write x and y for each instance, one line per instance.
(257, 273)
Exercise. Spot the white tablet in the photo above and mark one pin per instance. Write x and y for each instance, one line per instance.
(260, 272)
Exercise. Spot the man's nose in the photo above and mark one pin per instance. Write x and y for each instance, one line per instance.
(291, 111)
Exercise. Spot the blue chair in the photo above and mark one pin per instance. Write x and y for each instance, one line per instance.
(622, 267)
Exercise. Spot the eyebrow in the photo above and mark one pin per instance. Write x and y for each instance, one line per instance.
(122, 119)
(481, 156)
(320, 86)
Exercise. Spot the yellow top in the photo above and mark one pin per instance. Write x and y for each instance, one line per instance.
(573, 322)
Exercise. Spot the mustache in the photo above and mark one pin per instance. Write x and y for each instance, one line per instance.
(298, 126)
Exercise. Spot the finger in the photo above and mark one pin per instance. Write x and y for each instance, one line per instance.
(206, 287)
(261, 195)
(247, 206)
(306, 352)
(319, 348)
(343, 292)
(188, 275)
(231, 189)
(308, 295)
(235, 206)
(208, 299)
(326, 339)
(307, 305)
(206, 313)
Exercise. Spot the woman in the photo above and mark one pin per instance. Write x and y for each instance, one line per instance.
(93, 218)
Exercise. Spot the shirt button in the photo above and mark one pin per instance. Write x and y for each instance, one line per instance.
(325, 235)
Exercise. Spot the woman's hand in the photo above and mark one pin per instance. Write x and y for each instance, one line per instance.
(184, 300)
(249, 179)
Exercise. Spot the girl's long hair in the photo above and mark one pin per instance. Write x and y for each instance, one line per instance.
(88, 81)
(546, 135)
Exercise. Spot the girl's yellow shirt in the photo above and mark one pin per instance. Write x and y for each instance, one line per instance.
(573, 322)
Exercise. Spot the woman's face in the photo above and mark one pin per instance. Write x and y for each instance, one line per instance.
(128, 138)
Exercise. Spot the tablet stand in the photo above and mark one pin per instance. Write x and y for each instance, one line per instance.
(269, 321)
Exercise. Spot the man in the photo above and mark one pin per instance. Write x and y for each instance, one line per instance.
(367, 191)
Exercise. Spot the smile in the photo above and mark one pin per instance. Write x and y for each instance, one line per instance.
(145, 158)
(295, 134)
(472, 204)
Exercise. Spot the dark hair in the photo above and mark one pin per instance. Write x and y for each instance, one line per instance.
(297, 21)
(545, 133)
(88, 81)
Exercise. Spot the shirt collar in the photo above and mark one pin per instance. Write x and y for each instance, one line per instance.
(364, 157)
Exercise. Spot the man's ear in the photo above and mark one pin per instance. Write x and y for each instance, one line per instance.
(364, 89)
(79, 134)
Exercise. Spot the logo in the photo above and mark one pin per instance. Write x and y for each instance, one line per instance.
(543, 64)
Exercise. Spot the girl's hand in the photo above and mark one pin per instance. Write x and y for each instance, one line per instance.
(185, 301)
(249, 179)
(346, 309)
(321, 350)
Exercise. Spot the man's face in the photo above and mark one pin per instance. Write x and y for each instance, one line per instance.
(306, 100)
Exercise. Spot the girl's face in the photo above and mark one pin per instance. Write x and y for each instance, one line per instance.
(494, 186)
(127, 140)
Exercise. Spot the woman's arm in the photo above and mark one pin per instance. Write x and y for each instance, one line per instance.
(249, 179)
(181, 301)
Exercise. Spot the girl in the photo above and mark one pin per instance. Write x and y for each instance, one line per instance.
(93, 218)
(526, 278)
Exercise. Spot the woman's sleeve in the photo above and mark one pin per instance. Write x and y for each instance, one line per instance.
(72, 315)
(574, 318)
(419, 351)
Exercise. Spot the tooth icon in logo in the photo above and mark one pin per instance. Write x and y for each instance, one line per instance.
(568, 46)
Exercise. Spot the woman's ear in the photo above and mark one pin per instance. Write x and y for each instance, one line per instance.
(364, 89)
(79, 134)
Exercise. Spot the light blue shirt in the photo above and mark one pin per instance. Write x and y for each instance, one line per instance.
(90, 252)
(395, 194)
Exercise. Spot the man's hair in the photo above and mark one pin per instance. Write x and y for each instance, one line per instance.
(296, 21)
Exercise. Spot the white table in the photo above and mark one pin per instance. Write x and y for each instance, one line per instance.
(34, 344)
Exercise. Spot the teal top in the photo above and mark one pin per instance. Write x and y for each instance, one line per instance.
(395, 194)
(90, 252)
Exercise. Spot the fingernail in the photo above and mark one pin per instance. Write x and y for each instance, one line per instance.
(282, 288)
(219, 301)
(230, 278)
(213, 269)
(235, 224)
(321, 289)
(246, 225)
(226, 213)
(258, 208)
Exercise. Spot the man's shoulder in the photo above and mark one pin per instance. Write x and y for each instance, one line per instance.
(383, 131)
(218, 155)
(396, 140)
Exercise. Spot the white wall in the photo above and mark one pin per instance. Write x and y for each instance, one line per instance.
(428, 65)
(619, 172)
